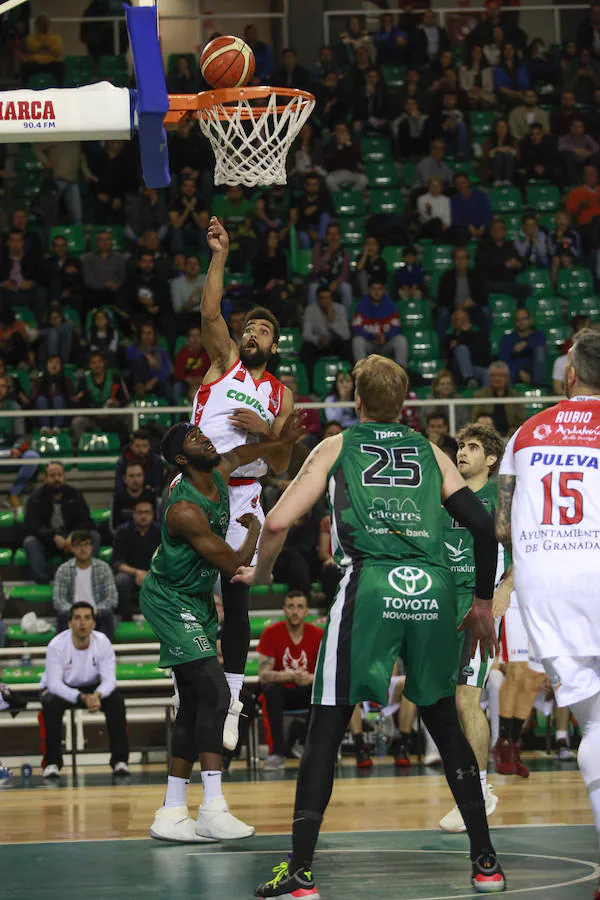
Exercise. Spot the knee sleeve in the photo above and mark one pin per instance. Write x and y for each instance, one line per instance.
(235, 638)
(205, 680)
(183, 739)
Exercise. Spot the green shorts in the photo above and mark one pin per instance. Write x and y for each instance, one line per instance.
(381, 612)
(185, 626)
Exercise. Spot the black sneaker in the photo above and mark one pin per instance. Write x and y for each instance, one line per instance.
(288, 887)
(363, 759)
(487, 876)
(401, 757)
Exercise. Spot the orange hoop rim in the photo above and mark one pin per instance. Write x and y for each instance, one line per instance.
(217, 99)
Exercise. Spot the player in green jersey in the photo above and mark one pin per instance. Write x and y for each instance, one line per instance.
(396, 598)
(480, 450)
(177, 601)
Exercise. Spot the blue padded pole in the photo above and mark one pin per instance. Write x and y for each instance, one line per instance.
(152, 101)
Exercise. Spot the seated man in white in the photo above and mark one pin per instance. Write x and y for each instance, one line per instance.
(81, 672)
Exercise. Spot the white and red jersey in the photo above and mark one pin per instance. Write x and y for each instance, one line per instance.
(555, 522)
(237, 389)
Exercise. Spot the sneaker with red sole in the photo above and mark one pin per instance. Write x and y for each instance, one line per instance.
(299, 886)
(401, 757)
(363, 759)
(487, 876)
(503, 757)
(520, 767)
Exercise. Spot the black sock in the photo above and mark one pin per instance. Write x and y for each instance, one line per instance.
(516, 728)
(506, 726)
(359, 742)
(305, 833)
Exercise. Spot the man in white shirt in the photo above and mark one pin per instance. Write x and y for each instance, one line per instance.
(81, 671)
(325, 331)
(84, 579)
(186, 290)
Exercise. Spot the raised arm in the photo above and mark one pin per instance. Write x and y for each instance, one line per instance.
(290, 432)
(215, 333)
(187, 520)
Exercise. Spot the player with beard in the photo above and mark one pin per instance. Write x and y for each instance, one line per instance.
(239, 400)
(176, 599)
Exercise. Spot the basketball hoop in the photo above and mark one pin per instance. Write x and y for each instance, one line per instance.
(251, 129)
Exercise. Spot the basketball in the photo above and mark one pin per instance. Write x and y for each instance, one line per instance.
(227, 62)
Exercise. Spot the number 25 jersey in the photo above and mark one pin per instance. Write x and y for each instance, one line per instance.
(555, 525)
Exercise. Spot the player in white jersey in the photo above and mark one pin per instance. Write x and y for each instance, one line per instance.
(549, 509)
(238, 398)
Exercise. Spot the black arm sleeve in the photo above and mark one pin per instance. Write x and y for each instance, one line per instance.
(470, 512)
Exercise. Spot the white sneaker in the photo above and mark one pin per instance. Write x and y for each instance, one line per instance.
(215, 821)
(297, 750)
(564, 752)
(454, 823)
(121, 768)
(175, 825)
(432, 759)
(273, 762)
(51, 771)
(231, 734)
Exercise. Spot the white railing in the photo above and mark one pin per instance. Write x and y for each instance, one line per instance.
(443, 12)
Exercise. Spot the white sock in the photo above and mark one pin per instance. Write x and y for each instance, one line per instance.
(483, 779)
(211, 782)
(176, 791)
(563, 736)
(235, 682)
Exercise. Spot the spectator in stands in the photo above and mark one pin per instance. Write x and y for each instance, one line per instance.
(298, 562)
(139, 450)
(237, 324)
(592, 117)
(188, 219)
(15, 339)
(186, 290)
(150, 241)
(62, 275)
(56, 336)
(325, 63)
(191, 156)
(314, 212)
(577, 149)
(390, 42)
(343, 161)
(461, 287)
(311, 420)
(470, 210)
(287, 658)
(66, 163)
(563, 116)
(331, 574)
(577, 323)
(19, 273)
(42, 53)
(538, 157)
(433, 165)
(354, 39)
(236, 211)
(500, 153)
(14, 443)
(53, 512)
(376, 327)
(51, 390)
(588, 31)
(183, 79)
(468, 351)
(437, 431)
(149, 362)
(262, 54)
(532, 243)
(582, 76)
(192, 362)
(507, 417)
(524, 351)
(476, 78)
(289, 73)
(430, 40)
(86, 680)
(521, 118)
(498, 262)
(146, 211)
(102, 336)
(411, 130)
(134, 545)
(32, 242)
(492, 48)
(370, 264)
(85, 580)
(270, 277)
(343, 391)
(414, 88)
(564, 245)
(272, 212)
(275, 485)
(510, 78)
(103, 272)
(449, 124)
(306, 155)
(443, 387)
(134, 489)
(114, 171)
(433, 209)
(100, 388)
(371, 105)
(325, 331)
(333, 100)
(331, 267)
(583, 205)
(409, 278)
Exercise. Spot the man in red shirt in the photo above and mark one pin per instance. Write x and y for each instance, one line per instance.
(583, 205)
(191, 365)
(287, 660)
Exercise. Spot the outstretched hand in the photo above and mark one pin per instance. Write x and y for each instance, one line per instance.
(480, 622)
(293, 429)
(217, 237)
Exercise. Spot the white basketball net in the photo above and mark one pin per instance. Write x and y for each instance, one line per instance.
(251, 142)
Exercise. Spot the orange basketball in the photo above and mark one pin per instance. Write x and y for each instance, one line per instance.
(227, 62)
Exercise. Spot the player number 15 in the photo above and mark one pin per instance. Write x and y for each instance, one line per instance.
(570, 513)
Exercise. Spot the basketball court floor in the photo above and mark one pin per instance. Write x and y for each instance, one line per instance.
(380, 839)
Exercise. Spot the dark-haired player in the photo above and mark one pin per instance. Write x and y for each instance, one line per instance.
(176, 599)
(239, 401)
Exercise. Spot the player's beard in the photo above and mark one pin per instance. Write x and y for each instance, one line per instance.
(205, 463)
(254, 358)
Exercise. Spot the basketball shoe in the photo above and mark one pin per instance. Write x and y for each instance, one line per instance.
(231, 733)
(503, 757)
(453, 821)
(487, 876)
(520, 768)
(363, 759)
(299, 886)
(175, 825)
(216, 822)
(401, 755)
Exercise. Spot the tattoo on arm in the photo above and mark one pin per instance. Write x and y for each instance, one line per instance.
(307, 467)
(265, 667)
(506, 489)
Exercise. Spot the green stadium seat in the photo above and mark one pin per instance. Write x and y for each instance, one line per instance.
(353, 232)
(98, 444)
(290, 341)
(6, 555)
(22, 675)
(113, 69)
(556, 335)
(538, 280)
(381, 175)
(408, 173)
(393, 76)
(533, 406)
(394, 258)
(375, 148)
(545, 310)
(466, 166)
(72, 316)
(75, 237)
(584, 306)
(496, 335)
(387, 203)
(258, 625)
(575, 282)
(427, 368)
(132, 632)
(348, 203)
(295, 370)
(27, 161)
(513, 224)
(41, 81)
(414, 314)
(251, 670)
(422, 344)
(16, 635)
(19, 557)
(437, 258)
(100, 516)
(505, 199)
(7, 518)
(502, 309)
(141, 672)
(279, 587)
(543, 197)
(25, 314)
(152, 402)
(118, 235)
(31, 593)
(325, 373)
(50, 445)
(301, 262)
(78, 70)
(482, 122)
(105, 554)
